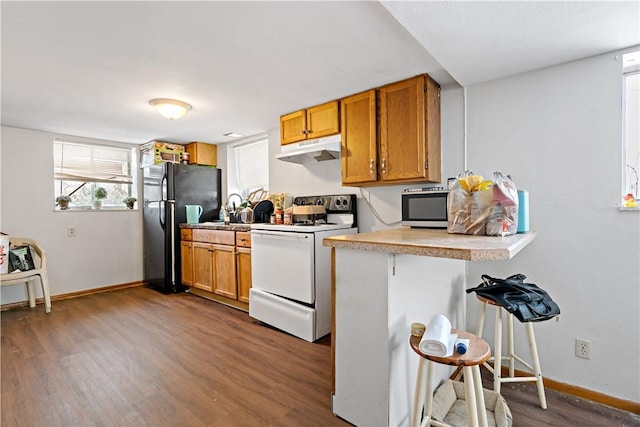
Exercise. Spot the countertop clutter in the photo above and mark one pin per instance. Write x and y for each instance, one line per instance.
(435, 243)
(218, 226)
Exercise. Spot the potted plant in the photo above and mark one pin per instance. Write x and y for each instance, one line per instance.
(99, 194)
(63, 202)
(129, 201)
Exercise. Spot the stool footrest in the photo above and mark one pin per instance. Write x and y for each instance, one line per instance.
(489, 367)
(492, 370)
(518, 379)
(526, 364)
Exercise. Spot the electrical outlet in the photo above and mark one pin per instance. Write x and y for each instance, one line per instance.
(71, 232)
(583, 348)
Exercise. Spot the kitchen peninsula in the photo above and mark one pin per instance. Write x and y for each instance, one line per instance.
(384, 281)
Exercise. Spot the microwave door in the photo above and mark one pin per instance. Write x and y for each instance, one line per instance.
(426, 209)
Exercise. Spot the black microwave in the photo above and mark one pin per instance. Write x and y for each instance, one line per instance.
(425, 207)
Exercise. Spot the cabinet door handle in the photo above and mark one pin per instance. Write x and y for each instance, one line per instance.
(309, 131)
(372, 165)
(384, 165)
(303, 132)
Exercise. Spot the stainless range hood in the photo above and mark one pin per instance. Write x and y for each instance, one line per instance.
(311, 150)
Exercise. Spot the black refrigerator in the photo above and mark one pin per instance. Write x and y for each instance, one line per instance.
(168, 188)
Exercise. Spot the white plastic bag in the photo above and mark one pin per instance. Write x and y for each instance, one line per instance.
(503, 218)
(469, 204)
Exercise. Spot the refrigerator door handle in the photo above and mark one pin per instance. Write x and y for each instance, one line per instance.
(161, 213)
(163, 186)
(172, 225)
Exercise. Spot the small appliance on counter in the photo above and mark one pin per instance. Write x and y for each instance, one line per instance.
(262, 211)
(249, 211)
(425, 207)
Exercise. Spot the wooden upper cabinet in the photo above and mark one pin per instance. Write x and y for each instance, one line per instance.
(201, 153)
(433, 132)
(410, 131)
(293, 127)
(323, 120)
(359, 139)
(391, 135)
(314, 122)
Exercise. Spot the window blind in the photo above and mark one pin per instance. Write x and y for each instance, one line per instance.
(252, 165)
(91, 163)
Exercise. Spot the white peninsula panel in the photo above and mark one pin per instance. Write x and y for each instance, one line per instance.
(384, 281)
(378, 297)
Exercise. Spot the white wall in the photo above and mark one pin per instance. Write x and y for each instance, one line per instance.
(557, 131)
(108, 247)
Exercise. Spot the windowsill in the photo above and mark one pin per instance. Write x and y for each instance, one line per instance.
(96, 210)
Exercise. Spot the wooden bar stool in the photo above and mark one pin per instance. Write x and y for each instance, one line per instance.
(477, 353)
(511, 357)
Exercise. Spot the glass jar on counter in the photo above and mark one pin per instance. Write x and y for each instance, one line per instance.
(288, 218)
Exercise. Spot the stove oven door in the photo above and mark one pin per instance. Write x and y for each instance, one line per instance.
(282, 263)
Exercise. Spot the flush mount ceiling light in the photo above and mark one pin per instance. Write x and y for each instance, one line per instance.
(170, 108)
(233, 135)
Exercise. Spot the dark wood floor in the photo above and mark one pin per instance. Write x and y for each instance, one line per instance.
(135, 357)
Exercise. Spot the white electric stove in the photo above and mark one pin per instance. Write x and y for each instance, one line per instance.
(291, 270)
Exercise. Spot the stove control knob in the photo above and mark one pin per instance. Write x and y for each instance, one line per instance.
(319, 202)
(338, 202)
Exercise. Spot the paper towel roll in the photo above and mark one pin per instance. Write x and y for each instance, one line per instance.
(523, 211)
(435, 341)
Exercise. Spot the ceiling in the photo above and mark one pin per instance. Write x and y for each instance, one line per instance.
(89, 68)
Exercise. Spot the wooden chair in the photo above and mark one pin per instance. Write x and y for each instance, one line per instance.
(478, 352)
(511, 357)
(26, 277)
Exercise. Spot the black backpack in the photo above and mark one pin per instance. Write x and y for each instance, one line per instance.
(526, 301)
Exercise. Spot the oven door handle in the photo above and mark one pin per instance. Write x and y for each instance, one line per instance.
(283, 235)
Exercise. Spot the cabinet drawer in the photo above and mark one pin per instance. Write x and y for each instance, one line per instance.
(185, 234)
(243, 239)
(221, 237)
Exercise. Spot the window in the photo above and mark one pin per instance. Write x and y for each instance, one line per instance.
(81, 168)
(631, 131)
(252, 166)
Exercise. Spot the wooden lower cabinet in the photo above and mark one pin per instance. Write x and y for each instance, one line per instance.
(244, 273)
(224, 271)
(186, 255)
(202, 266)
(218, 262)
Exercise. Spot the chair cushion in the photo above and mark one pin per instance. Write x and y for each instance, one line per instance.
(450, 406)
